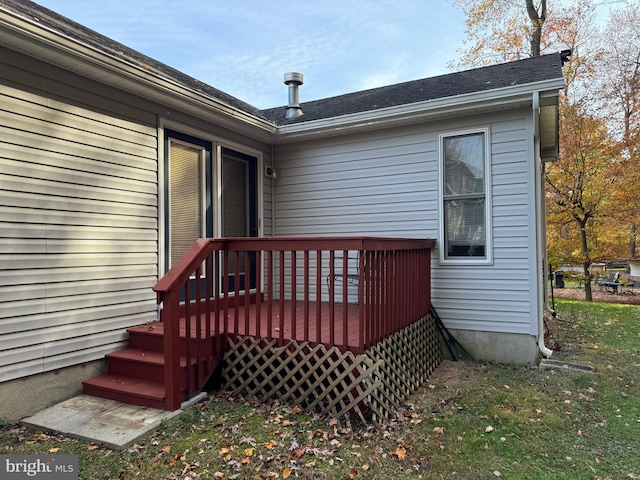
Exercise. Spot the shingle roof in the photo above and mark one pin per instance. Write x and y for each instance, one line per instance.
(71, 29)
(530, 70)
(520, 72)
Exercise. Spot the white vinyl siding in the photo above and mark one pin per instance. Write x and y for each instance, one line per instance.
(78, 223)
(386, 184)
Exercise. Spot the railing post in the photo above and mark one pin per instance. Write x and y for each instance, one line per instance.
(171, 344)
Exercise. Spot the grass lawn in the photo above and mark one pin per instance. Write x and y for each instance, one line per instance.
(473, 421)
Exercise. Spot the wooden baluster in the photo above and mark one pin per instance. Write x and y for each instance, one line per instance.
(332, 305)
(294, 294)
(270, 294)
(198, 336)
(345, 300)
(208, 307)
(362, 282)
(247, 293)
(258, 270)
(319, 284)
(282, 299)
(225, 292)
(307, 273)
(236, 292)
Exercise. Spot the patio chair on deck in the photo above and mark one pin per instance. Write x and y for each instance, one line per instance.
(352, 277)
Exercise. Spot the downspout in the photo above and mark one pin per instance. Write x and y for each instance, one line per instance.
(540, 226)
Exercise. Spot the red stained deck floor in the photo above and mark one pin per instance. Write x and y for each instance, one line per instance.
(287, 320)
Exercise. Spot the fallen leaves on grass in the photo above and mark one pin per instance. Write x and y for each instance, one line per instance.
(400, 452)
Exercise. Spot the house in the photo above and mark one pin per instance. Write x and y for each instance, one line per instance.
(100, 149)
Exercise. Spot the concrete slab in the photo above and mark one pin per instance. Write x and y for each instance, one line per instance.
(106, 422)
(546, 364)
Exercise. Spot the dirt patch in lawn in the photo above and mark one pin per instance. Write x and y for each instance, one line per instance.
(626, 297)
(446, 380)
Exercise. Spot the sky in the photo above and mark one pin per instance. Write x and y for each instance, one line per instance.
(244, 47)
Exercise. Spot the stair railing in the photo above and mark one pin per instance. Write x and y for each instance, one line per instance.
(174, 293)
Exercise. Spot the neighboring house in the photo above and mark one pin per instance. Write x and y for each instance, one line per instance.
(86, 129)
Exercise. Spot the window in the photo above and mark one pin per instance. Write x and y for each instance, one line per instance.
(464, 228)
(185, 197)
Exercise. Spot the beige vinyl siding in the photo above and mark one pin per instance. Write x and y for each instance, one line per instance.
(78, 222)
(386, 183)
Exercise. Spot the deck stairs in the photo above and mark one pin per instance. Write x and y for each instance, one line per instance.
(135, 374)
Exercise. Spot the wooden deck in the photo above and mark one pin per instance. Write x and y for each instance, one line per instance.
(248, 313)
(393, 283)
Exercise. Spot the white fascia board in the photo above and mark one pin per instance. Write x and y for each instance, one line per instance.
(41, 42)
(429, 110)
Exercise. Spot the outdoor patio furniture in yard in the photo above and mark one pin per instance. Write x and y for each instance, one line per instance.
(610, 282)
(630, 284)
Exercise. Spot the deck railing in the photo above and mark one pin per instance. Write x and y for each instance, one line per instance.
(347, 292)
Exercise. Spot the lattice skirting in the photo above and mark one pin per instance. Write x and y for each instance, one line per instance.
(370, 386)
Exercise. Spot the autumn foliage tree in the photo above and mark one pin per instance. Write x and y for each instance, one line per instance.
(592, 186)
(619, 91)
(501, 30)
(578, 199)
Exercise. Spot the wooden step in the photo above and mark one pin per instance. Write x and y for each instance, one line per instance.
(147, 337)
(134, 391)
(150, 337)
(136, 374)
(143, 364)
(147, 364)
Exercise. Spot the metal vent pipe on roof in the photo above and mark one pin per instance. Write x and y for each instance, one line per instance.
(293, 80)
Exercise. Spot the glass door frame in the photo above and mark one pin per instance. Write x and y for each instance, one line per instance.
(213, 204)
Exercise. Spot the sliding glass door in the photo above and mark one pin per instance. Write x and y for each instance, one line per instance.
(198, 205)
(239, 211)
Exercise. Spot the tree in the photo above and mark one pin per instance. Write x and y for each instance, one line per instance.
(501, 30)
(578, 188)
(619, 66)
(578, 194)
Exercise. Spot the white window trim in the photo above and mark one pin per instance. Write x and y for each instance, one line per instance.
(488, 259)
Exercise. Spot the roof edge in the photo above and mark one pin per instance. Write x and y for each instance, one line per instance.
(445, 107)
(46, 44)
